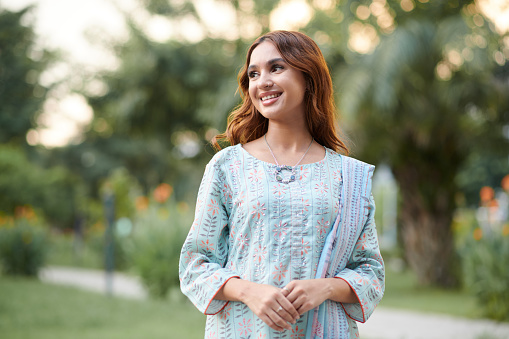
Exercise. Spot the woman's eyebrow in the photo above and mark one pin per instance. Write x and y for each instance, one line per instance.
(270, 62)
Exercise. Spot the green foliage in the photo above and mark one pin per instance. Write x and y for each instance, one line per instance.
(162, 98)
(21, 64)
(486, 273)
(158, 236)
(23, 247)
(96, 244)
(124, 187)
(421, 102)
(482, 169)
(25, 183)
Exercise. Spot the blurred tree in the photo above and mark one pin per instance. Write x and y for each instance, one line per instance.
(423, 100)
(23, 181)
(156, 111)
(21, 63)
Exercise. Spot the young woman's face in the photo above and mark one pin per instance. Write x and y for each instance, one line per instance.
(276, 89)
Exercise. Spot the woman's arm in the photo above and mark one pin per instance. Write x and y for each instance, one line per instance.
(202, 268)
(365, 272)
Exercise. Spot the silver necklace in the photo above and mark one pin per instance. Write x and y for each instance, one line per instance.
(281, 168)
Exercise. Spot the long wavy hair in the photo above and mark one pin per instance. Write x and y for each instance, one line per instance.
(245, 123)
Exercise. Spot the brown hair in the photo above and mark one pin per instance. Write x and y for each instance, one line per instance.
(245, 123)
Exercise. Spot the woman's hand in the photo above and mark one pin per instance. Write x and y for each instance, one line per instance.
(270, 305)
(308, 294)
(266, 301)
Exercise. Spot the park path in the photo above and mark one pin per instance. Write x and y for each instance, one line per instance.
(384, 323)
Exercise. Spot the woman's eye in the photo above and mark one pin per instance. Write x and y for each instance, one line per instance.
(252, 74)
(277, 68)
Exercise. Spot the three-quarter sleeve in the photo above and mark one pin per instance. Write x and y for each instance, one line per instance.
(202, 269)
(364, 271)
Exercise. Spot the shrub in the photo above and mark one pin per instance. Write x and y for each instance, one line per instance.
(23, 247)
(23, 182)
(96, 243)
(159, 232)
(156, 259)
(485, 259)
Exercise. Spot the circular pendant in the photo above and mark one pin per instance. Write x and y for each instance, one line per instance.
(279, 174)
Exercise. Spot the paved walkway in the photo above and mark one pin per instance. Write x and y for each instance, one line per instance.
(384, 323)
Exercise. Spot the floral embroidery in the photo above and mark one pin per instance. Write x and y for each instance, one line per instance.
(305, 247)
(213, 207)
(279, 272)
(297, 333)
(206, 245)
(248, 226)
(321, 188)
(245, 327)
(255, 176)
(259, 254)
(258, 210)
(280, 230)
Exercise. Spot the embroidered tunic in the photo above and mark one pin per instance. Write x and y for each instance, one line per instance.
(250, 226)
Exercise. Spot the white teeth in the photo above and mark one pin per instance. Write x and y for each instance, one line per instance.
(270, 96)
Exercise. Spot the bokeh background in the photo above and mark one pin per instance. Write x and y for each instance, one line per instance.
(107, 108)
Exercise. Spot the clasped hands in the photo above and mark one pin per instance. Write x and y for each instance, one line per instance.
(279, 308)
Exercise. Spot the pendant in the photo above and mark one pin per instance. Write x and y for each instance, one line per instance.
(279, 174)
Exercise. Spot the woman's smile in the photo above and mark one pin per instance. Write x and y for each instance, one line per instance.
(270, 97)
(276, 88)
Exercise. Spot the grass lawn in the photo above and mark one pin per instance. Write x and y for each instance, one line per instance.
(403, 292)
(31, 309)
(63, 251)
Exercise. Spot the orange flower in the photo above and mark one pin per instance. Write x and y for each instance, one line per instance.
(505, 183)
(493, 203)
(162, 192)
(6, 221)
(477, 234)
(487, 193)
(141, 203)
(505, 230)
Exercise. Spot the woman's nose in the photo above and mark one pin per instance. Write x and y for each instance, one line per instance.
(265, 81)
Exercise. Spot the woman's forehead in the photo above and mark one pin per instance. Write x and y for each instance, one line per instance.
(264, 52)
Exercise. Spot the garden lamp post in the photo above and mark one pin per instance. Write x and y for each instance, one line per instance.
(109, 209)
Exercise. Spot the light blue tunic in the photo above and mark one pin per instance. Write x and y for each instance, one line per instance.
(250, 226)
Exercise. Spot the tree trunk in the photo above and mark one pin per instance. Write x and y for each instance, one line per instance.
(427, 208)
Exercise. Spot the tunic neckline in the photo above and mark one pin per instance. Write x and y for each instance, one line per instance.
(271, 164)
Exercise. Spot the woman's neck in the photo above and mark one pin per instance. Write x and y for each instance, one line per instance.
(284, 138)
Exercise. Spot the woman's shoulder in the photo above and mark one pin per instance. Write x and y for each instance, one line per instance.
(346, 160)
(225, 155)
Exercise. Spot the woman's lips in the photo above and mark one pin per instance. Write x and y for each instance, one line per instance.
(269, 98)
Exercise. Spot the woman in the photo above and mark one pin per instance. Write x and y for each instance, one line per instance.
(283, 251)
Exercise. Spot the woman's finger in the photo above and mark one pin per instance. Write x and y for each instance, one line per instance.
(288, 311)
(266, 319)
(277, 317)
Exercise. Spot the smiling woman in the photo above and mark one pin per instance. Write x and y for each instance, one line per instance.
(277, 248)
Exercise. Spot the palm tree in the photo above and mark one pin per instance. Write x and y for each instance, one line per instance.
(422, 100)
